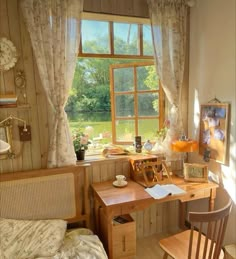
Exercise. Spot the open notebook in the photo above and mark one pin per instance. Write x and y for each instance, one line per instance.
(161, 191)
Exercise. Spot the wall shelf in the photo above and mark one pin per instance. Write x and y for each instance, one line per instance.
(22, 106)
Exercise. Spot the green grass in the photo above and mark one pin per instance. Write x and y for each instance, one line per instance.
(105, 126)
(98, 128)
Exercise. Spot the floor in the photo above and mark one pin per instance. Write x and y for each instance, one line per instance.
(148, 248)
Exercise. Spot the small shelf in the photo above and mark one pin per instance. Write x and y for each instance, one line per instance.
(21, 106)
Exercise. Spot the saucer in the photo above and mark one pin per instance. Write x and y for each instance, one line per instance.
(123, 184)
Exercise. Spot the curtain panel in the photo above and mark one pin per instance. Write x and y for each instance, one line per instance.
(54, 29)
(169, 30)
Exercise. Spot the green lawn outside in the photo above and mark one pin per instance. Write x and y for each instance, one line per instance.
(104, 127)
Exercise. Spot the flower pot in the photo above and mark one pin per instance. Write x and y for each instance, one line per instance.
(80, 154)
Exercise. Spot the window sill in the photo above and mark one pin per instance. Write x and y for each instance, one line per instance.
(101, 158)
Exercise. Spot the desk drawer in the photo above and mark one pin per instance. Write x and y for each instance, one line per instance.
(195, 195)
(129, 208)
(124, 239)
(126, 209)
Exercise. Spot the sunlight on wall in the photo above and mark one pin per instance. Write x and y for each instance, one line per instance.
(229, 181)
(196, 112)
(228, 176)
(228, 172)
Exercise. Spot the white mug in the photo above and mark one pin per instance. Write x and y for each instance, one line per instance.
(120, 179)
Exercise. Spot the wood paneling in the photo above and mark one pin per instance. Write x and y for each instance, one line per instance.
(155, 219)
(33, 154)
(137, 8)
(30, 154)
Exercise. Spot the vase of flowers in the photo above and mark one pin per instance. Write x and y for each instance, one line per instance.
(80, 141)
(161, 134)
(160, 137)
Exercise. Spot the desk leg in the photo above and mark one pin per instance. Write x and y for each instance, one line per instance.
(109, 237)
(182, 214)
(105, 228)
(97, 216)
(212, 199)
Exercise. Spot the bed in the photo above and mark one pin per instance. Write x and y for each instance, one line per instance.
(37, 210)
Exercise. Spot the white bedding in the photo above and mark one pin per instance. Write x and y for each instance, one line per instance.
(78, 246)
(47, 239)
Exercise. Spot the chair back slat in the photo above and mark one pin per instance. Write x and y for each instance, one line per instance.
(207, 232)
(222, 229)
(212, 226)
(190, 242)
(199, 240)
(219, 236)
(205, 246)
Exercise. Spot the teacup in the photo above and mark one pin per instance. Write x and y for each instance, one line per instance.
(120, 179)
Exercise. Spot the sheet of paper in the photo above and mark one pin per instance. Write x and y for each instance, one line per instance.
(174, 189)
(161, 191)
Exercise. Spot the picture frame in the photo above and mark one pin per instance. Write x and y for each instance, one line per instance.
(195, 172)
(213, 138)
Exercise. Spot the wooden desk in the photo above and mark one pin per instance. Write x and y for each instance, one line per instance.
(114, 201)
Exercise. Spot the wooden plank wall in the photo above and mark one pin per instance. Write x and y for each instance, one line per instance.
(31, 154)
(157, 218)
(137, 8)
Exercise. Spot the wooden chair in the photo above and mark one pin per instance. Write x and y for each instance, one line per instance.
(203, 240)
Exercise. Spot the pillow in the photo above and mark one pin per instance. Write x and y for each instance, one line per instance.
(26, 239)
(78, 231)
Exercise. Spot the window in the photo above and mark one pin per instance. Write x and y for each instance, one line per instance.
(115, 37)
(136, 101)
(130, 97)
(126, 39)
(92, 33)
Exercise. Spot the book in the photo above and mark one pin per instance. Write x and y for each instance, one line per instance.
(8, 101)
(120, 220)
(8, 97)
(162, 191)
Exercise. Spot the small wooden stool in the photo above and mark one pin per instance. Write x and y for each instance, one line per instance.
(230, 251)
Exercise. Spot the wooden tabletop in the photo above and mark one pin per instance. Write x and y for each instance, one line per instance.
(109, 195)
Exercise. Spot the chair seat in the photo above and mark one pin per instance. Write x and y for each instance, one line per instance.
(177, 245)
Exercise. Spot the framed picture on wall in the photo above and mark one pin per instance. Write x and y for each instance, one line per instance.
(213, 139)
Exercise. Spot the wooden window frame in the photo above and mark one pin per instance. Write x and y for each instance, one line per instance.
(111, 19)
(136, 118)
(132, 20)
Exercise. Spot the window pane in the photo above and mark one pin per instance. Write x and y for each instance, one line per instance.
(147, 40)
(148, 128)
(124, 105)
(142, 74)
(125, 130)
(95, 37)
(126, 38)
(148, 104)
(123, 79)
(147, 78)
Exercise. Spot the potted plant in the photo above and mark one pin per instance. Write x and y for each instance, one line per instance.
(80, 141)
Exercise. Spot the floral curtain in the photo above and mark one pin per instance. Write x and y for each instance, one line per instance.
(169, 25)
(54, 29)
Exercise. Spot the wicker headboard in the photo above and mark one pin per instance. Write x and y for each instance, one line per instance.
(46, 194)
